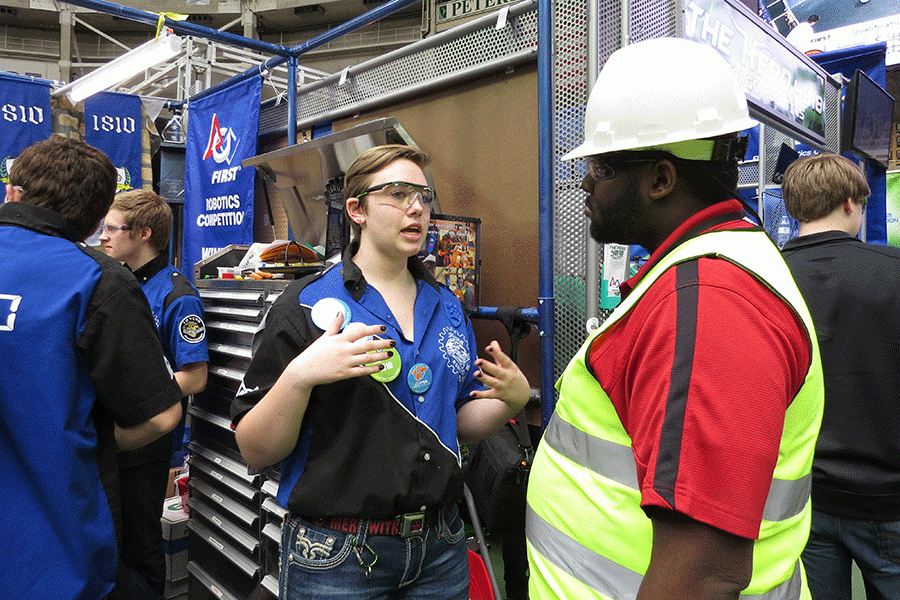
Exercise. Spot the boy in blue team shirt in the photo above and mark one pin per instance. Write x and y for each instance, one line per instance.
(136, 232)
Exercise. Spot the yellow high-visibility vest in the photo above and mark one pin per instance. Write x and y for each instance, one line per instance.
(588, 536)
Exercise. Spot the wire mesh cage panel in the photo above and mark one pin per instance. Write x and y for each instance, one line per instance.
(647, 19)
(407, 70)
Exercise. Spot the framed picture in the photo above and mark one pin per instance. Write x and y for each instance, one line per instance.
(452, 254)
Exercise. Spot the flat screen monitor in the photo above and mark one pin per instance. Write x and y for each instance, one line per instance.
(866, 127)
(786, 155)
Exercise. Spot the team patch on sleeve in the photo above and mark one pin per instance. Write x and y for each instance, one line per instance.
(192, 329)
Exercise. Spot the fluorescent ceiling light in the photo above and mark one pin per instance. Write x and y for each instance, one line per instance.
(124, 67)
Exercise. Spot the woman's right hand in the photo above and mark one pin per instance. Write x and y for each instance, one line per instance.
(338, 355)
(268, 432)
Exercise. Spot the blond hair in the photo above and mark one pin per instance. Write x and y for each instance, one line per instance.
(144, 208)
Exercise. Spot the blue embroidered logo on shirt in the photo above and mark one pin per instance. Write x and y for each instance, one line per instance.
(454, 312)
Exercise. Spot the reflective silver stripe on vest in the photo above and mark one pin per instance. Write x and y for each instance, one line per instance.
(787, 498)
(611, 460)
(609, 578)
(595, 571)
(616, 462)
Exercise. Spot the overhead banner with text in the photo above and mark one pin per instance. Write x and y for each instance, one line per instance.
(112, 124)
(779, 82)
(218, 192)
(26, 119)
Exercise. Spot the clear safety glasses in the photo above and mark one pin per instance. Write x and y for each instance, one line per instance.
(114, 229)
(403, 194)
(600, 167)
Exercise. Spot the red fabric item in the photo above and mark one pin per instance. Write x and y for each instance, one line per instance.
(479, 581)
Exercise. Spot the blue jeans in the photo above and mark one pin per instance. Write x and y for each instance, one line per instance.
(835, 541)
(320, 563)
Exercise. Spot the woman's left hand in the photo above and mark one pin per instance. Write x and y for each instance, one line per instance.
(503, 378)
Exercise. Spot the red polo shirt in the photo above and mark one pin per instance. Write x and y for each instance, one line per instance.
(702, 386)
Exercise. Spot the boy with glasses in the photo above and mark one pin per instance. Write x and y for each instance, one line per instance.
(136, 232)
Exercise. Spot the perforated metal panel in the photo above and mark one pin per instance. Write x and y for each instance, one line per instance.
(570, 233)
(651, 19)
(833, 118)
(648, 19)
(479, 47)
(471, 50)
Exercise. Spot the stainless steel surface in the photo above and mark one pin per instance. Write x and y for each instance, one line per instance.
(300, 173)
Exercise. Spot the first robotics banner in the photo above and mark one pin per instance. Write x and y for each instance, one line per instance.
(218, 191)
(25, 117)
(112, 123)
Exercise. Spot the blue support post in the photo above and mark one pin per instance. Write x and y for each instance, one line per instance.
(292, 101)
(546, 301)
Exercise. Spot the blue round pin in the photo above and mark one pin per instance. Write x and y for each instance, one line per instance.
(326, 310)
(419, 378)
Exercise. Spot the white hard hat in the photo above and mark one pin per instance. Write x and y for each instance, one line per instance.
(660, 93)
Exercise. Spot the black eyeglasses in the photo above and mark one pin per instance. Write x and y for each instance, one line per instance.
(403, 194)
(112, 229)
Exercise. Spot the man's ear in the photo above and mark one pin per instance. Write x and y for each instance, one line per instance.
(663, 175)
(356, 212)
(145, 232)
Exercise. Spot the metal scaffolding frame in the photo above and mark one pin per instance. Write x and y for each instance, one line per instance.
(570, 46)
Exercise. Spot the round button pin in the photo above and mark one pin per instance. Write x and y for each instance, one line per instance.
(326, 310)
(391, 368)
(419, 378)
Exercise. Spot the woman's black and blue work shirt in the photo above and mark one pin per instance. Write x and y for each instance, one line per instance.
(370, 449)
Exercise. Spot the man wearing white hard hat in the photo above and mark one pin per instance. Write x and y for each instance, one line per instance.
(677, 462)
